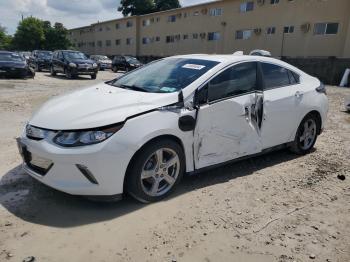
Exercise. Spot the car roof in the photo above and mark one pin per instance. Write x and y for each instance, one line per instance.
(6, 52)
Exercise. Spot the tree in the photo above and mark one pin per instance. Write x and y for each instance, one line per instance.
(5, 40)
(162, 5)
(30, 34)
(56, 37)
(136, 7)
(141, 7)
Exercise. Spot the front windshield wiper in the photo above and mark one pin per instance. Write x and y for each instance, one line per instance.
(133, 87)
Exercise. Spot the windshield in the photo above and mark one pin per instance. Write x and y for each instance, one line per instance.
(132, 60)
(74, 55)
(165, 76)
(45, 55)
(11, 57)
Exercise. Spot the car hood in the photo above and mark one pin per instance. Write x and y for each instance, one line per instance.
(12, 64)
(97, 106)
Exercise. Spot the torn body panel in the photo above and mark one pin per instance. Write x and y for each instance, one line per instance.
(226, 130)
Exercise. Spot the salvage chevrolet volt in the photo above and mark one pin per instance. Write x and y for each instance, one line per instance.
(140, 133)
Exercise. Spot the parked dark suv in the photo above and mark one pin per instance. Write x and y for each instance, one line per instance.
(72, 63)
(125, 63)
(40, 59)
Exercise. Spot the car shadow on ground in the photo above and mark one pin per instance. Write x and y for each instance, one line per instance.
(36, 203)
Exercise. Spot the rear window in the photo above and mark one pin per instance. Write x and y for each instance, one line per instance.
(277, 76)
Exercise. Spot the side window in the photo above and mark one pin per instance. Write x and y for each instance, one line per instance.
(60, 56)
(236, 80)
(275, 76)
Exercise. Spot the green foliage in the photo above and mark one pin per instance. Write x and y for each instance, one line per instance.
(33, 33)
(162, 5)
(141, 7)
(5, 40)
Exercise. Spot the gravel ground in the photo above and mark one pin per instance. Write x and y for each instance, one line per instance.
(277, 207)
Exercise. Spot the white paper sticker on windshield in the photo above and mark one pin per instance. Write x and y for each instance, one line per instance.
(193, 66)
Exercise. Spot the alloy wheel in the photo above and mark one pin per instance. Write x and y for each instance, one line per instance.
(308, 134)
(160, 172)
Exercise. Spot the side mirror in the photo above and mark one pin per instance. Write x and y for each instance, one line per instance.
(200, 96)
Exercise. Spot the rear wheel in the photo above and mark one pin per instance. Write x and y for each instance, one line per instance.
(93, 76)
(306, 136)
(155, 171)
(114, 69)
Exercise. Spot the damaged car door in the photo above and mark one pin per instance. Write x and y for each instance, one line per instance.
(229, 116)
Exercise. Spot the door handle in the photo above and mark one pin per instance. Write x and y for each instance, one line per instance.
(298, 94)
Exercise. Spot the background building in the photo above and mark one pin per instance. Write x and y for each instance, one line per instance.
(292, 28)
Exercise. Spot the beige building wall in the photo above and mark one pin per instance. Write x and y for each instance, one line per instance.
(150, 32)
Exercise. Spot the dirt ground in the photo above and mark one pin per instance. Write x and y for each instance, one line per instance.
(277, 207)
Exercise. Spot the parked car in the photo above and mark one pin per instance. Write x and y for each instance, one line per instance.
(25, 54)
(125, 63)
(14, 65)
(144, 130)
(72, 63)
(102, 61)
(40, 59)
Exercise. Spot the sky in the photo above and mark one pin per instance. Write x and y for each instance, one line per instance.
(72, 13)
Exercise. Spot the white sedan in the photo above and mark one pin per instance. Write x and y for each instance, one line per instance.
(140, 133)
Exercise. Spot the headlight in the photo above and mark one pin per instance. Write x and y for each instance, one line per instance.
(85, 137)
(72, 65)
(35, 133)
(94, 65)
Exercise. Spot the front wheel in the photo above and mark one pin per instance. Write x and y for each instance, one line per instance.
(114, 69)
(52, 71)
(155, 171)
(306, 136)
(69, 74)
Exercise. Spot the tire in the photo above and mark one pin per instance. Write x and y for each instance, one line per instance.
(68, 74)
(37, 68)
(93, 76)
(306, 135)
(147, 180)
(114, 69)
(52, 71)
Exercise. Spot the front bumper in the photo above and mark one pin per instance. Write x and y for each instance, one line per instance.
(14, 72)
(83, 71)
(63, 168)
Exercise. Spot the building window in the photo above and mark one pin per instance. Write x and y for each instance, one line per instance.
(146, 40)
(108, 42)
(195, 36)
(129, 41)
(146, 22)
(117, 42)
(157, 19)
(246, 7)
(100, 29)
(99, 43)
(185, 36)
(195, 13)
(157, 38)
(172, 18)
(271, 30)
(274, 2)
(243, 34)
(213, 36)
(215, 11)
(117, 26)
(170, 39)
(108, 28)
(288, 29)
(326, 28)
(129, 23)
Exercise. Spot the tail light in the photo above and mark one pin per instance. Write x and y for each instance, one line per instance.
(322, 89)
